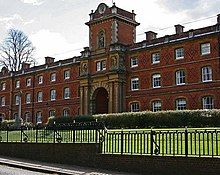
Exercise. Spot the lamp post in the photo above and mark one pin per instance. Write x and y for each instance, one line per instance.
(19, 119)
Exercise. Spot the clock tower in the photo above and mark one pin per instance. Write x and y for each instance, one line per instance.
(102, 64)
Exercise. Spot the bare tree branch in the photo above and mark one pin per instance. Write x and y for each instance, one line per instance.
(15, 50)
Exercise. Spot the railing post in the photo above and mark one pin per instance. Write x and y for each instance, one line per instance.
(7, 128)
(122, 141)
(36, 132)
(186, 141)
(151, 142)
(21, 133)
(54, 132)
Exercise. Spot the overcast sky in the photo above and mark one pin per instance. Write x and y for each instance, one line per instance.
(57, 27)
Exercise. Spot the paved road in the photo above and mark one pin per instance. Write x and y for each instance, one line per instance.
(6, 170)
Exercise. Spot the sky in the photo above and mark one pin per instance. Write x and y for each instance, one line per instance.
(57, 27)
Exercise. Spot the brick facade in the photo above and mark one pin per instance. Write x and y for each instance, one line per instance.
(179, 71)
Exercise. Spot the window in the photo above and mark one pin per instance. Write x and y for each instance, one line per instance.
(101, 65)
(134, 62)
(52, 113)
(53, 77)
(155, 57)
(156, 106)
(3, 101)
(15, 116)
(179, 53)
(156, 81)
(66, 93)
(66, 74)
(207, 74)
(135, 107)
(40, 79)
(207, 102)
(28, 98)
(3, 86)
(98, 66)
(66, 112)
(181, 104)
(27, 117)
(134, 84)
(53, 95)
(17, 100)
(205, 48)
(39, 117)
(40, 96)
(2, 116)
(180, 77)
(28, 82)
(17, 84)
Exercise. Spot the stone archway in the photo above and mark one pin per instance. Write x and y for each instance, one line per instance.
(100, 101)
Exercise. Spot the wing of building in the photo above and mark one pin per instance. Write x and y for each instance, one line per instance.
(117, 74)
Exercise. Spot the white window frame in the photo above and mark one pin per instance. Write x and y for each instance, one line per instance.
(155, 57)
(179, 52)
(3, 101)
(98, 66)
(27, 117)
(135, 107)
(52, 113)
(181, 104)
(40, 96)
(134, 84)
(28, 98)
(17, 84)
(66, 112)
(3, 86)
(53, 77)
(156, 80)
(66, 74)
(207, 74)
(103, 65)
(28, 82)
(134, 62)
(205, 48)
(17, 99)
(156, 106)
(66, 93)
(180, 77)
(207, 102)
(52, 95)
(39, 117)
(40, 79)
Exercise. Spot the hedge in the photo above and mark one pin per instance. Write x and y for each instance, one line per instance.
(147, 119)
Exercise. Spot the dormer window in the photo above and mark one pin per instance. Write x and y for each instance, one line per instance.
(101, 39)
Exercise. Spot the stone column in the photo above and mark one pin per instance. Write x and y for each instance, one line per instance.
(81, 101)
(110, 98)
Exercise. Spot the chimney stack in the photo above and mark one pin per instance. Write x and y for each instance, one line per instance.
(25, 66)
(49, 60)
(218, 19)
(150, 35)
(179, 28)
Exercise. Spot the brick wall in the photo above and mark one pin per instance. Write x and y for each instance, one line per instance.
(87, 155)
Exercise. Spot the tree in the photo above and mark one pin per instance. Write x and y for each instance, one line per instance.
(16, 49)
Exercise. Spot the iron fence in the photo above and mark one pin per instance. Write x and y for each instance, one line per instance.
(185, 142)
(86, 132)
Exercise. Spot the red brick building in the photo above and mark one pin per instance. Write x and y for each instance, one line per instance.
(116, 74)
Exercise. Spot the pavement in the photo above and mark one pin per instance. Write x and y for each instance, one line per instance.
(52, 168)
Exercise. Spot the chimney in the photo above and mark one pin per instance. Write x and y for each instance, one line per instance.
(49, 60)
(179, 28)
(25, 66)
(218, 19)
(150, 35)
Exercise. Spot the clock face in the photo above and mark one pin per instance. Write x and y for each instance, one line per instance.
(102, 8)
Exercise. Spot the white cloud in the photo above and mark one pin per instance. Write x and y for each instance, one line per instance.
(53, 44)
(12, 21)
(34, 2)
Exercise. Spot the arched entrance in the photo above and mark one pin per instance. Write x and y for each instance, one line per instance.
(100, 100)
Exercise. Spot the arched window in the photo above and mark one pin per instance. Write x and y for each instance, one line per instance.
(66, 112)
(52, 113)
(53, 95)
(39, 117)
(66, 93)
(101, 39)
(27, 117)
